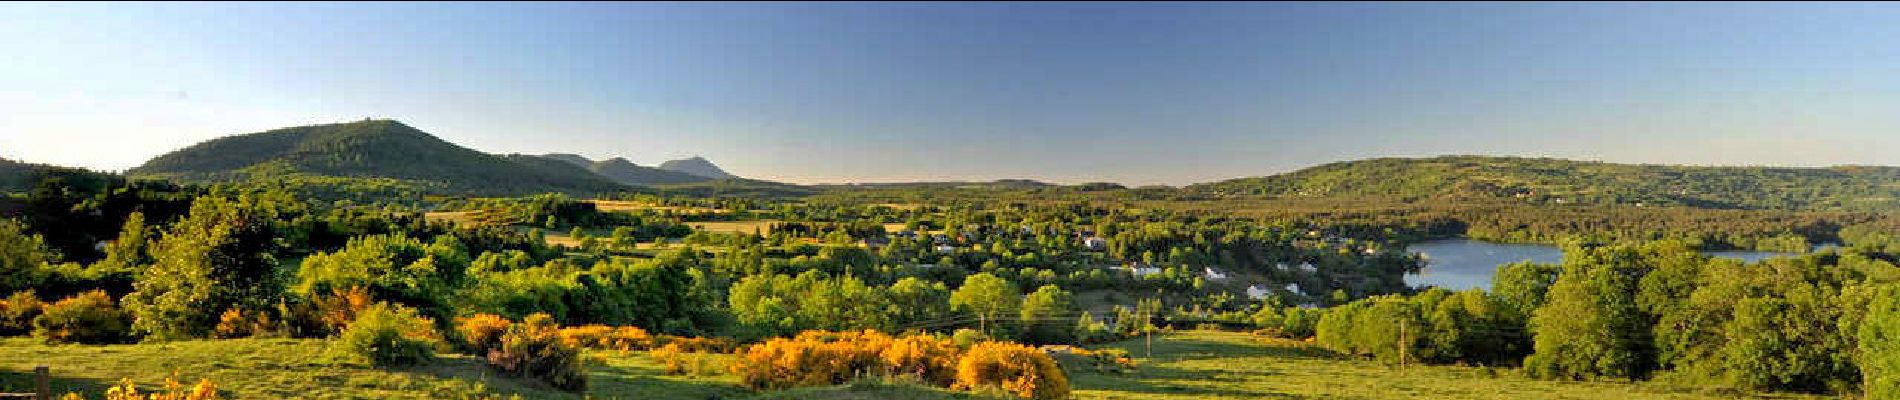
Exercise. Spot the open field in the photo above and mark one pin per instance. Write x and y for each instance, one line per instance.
(1186, 365)
(623, 206)
(1227, 365)
(763, 227)
(462, 218)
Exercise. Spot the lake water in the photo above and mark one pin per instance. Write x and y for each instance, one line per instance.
(1468, 264)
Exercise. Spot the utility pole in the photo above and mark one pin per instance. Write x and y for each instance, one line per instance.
(1403, 347)
(1151, 336)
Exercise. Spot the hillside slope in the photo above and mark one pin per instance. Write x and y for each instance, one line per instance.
(697, 166)
(1546, 180)
(370, 148)
(16, 176)
(626, 172)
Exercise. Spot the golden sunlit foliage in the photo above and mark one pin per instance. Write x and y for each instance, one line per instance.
(1018, 369)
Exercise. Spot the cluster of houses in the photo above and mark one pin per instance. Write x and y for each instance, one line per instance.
(1141, 269)
(944, 244)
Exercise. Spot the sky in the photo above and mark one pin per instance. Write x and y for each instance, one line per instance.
(1134, 93)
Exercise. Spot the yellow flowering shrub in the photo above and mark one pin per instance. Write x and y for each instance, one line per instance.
(481, 332)
(929, 358)
(1021, 370)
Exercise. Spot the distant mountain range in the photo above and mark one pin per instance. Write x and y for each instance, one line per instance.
(371, 148)
(391, 149)
(626, 172)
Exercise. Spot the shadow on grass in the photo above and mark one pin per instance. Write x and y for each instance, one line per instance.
(1153, 379)
(626, 380)
(1179, 348)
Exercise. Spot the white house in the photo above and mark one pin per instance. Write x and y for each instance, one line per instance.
(1257, 292)
(1212, 274)
(944, 248)
(1308, 267)
(1095, 243)
(1141, 270)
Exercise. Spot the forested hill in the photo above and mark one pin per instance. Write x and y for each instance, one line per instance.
(697, 166)
(1547, 180)
(371, 148)
(626, 172)
(15, 175)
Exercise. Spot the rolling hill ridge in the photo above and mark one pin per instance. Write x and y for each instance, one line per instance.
(626, 172)
(1549, 180)
(371, 148)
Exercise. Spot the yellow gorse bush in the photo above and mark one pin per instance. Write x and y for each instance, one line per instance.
(482, 332)
(815, 358)
(1018, 369)
(624, 338)
(126, 390)
(812, 358)
(929, 358)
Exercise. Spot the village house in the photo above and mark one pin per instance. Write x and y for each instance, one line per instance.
(1211, 273)
(1257, 292)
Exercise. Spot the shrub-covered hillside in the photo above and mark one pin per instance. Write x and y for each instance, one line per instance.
(1547, 180)
(371, 148)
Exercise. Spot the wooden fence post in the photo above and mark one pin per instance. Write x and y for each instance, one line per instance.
(42, 382)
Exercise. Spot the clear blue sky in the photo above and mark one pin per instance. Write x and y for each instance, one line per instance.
(1132, 93)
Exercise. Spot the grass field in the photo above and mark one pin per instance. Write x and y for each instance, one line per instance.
(763, 227)
(1186, 365)
(620, 206)
(1225, 365)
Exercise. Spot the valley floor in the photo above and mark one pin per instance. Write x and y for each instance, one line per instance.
(1186, 365)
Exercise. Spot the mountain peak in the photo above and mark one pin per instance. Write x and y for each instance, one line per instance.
(370, 148)
(699, 166)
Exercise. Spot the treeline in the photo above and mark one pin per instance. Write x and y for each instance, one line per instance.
(1823, 323)
(1558, 181)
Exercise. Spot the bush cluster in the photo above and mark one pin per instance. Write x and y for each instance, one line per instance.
(17, 312)
(816, 358)
(126, 390)
(91, 318)
(531, 348)
(389, 335)
(1018, 369)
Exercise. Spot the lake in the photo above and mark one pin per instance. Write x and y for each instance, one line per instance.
(1468, 264)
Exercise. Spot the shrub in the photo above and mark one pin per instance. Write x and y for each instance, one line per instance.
(90, 317)
(679, 360)
(340, 308)
(17, 312)
(386, 335)
(625, 338)
(670, 356)
(237, 323)
(927, 358)
(813, 358)
(481, 332)
(533, 348)
(1109, 360)
(698, 344)
(204, 390)
(1017, 369)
